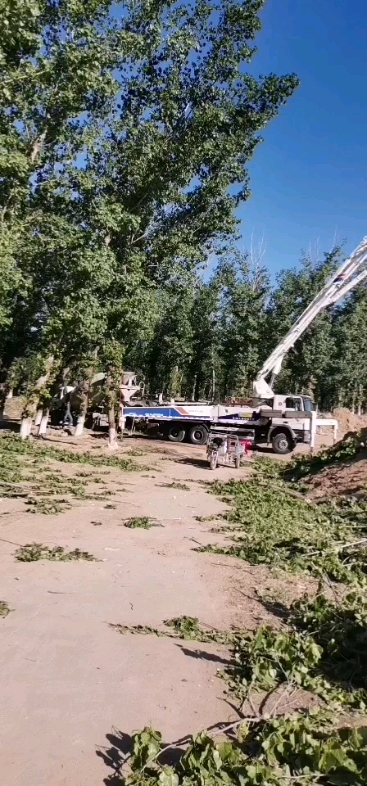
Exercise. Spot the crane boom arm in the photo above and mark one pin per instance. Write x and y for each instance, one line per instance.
(347, 277)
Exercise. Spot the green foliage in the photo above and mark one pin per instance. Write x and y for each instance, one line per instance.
(187, 628)
(161, 110)
(32, 552)
(340, 630)
(308, 367)
(45, 506)
(13, 445)
(274, 526)
(141, 522)
(322, 653)
(346, 450)
(348, 360)
(4, 609)
(305, 749)
(24, 474)
(322, 650)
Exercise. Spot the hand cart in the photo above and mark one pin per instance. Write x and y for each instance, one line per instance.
(229, 448)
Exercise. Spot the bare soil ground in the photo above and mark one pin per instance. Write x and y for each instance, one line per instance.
(348, 479)
(73, 689)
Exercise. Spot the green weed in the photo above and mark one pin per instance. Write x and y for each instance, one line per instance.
(346, 450)
(4, 609)
(270, 526)
(32, 552)
(140, 522)
(187, 628)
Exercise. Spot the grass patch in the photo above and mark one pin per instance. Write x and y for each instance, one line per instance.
(302, 751)
(141, 522)
(24, 462)
(269, 525)
(318, 655)
(33, 552)
(322, 651)
(348, 449)
(12, 444)
(40, 505)
(322, 654)
(187, 628)
(4, 609)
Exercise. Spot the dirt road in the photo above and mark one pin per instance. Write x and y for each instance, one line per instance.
(73, 689)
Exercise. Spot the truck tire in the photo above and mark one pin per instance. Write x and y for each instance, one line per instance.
(282, 443)
(198, 435)
(176, 433)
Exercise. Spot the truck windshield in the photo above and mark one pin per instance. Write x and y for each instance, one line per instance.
(309, 406)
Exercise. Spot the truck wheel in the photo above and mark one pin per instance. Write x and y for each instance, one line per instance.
(176, 433)
(282, 443)
(198, 435)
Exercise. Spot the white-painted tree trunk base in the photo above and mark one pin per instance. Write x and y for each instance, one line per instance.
(122, 425)
(9, 394)
(79, 426)
(43, 424)
(38, 418)
(112, 434)
(25, 428)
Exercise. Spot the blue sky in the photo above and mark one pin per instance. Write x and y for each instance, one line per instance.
(308, 178)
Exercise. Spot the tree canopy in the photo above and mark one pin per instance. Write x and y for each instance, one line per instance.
(126, 130)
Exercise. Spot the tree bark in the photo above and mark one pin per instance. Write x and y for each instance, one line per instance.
(42, 429)
(80, 425)
(25, 427)
(112, 431)
(84, 398)
(38, 417)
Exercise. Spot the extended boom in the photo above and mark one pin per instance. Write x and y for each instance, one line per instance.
(348, 276)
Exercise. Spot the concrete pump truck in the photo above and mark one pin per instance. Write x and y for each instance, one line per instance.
(281, 420)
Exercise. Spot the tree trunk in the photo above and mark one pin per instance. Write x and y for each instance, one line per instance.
(38, 417)
(83, 411)
(25, 427)
(42, 429)
(112, 431)
(2, 404)
(80, 425)
(354, 402)
(121, 421)
(35, 395)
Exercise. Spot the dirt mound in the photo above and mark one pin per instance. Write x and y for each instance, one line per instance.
(348, 421)
(345, 480)
(340, 470)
